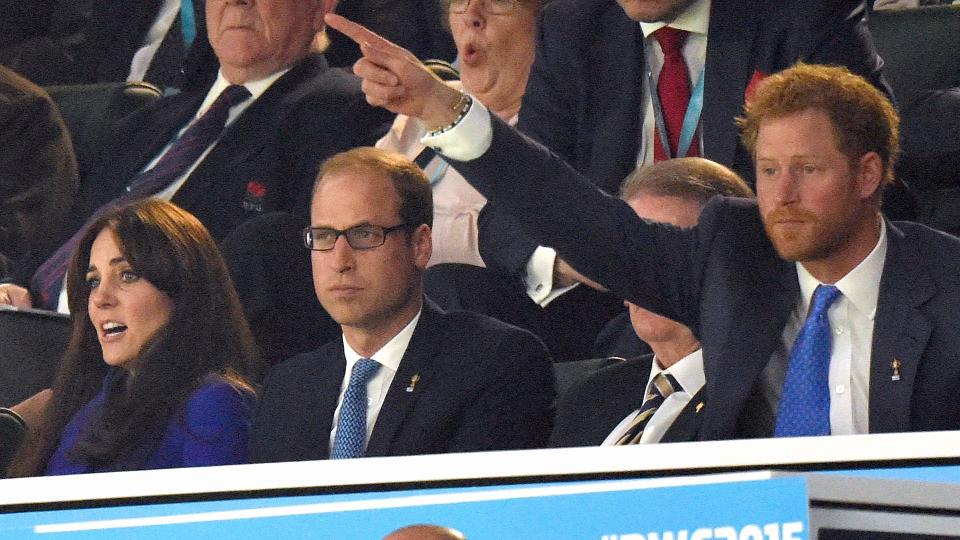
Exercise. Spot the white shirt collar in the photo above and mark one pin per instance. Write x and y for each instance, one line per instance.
(688, 371)
(390, 354)
(861, 286)
(694, 19)
(256, 89)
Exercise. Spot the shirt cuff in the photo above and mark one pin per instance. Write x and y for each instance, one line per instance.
(467, 140)
(539, 277)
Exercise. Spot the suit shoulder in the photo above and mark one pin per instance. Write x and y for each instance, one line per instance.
(576, 24)
(489, 344)
(579, 10)
(938, 251)
(477, 326)
(303, 363)
(632, 373)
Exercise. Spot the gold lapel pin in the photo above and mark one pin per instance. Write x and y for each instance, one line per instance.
(699, 407)
(413, 382)
(896, 370)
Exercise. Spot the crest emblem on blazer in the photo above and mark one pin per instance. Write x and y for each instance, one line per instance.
(253, 198)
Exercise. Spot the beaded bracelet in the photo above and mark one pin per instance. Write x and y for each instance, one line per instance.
(462, 107)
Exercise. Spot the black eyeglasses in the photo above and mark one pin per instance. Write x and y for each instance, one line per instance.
(359, 237)
(495, 7)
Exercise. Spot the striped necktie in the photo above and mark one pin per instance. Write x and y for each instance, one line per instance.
(662, 386)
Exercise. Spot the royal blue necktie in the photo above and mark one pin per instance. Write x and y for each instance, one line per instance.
(805, 401)
(184, 152)
(352, 425)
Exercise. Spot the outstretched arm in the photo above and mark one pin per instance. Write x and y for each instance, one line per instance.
(395, 79)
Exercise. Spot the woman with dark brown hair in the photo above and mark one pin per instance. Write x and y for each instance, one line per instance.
(154, 376)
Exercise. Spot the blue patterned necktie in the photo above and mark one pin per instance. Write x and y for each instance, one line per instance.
(663, 385)
(184, 152)
(805, 402)
(352, 425)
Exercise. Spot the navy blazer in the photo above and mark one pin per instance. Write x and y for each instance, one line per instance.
(483, 385)
(590, 410)
(266, 160)
(725, 281)
(584, 99)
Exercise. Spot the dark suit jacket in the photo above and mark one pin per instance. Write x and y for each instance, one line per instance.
(266, 160)
(724, 280)
(584, 99)
(589, 411)
(483, 385)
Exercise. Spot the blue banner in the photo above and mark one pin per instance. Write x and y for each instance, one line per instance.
(771, 509)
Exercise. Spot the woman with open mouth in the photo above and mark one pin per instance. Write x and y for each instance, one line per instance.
(155, 373)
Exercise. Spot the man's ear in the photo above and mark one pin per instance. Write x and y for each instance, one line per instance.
(869, 175)
(421, 242)
(326, 6)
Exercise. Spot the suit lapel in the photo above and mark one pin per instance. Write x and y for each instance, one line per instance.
(330, 380)
(736, 353)
(687, 424)
(731, 60)
(320, 403)
(249, 135)
(117, 172)
(614, 140)
(900, 335)
(420, 362)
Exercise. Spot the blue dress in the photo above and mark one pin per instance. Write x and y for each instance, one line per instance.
(211, 430)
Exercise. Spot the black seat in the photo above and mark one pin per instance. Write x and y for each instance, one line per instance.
(92, 112)
(919, 48)
(33, 344)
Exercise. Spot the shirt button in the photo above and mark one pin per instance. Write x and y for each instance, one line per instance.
(539, 287)
(841, 389)
(839, 331)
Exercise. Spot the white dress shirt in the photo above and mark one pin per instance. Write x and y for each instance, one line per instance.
(688, 371)
(851, 321)
(388, 357)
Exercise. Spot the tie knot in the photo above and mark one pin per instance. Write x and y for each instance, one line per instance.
(823, 298)
(664, 384)
(670, 40)
(231, 95)
(363, 371)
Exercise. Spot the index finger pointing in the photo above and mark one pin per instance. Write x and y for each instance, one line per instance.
(358, 33)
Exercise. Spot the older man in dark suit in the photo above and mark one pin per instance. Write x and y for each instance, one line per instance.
(251, 142)
(406, 378)
(817, 316)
